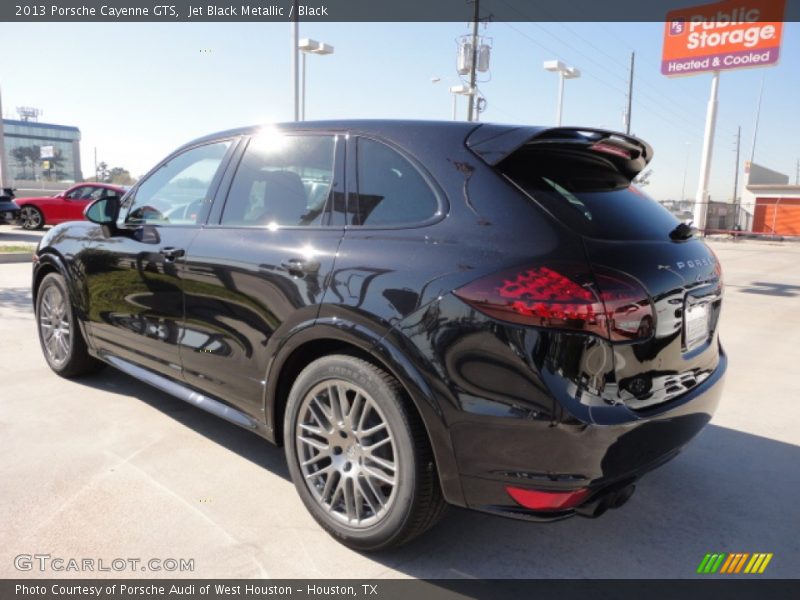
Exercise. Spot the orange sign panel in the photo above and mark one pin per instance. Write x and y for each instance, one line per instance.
(724, 35)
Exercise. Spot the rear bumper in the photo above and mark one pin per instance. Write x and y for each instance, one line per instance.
(568, 456)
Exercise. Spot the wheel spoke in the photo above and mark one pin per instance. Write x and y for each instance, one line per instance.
(378, 474)
(381, 462)
(373, 430)
(314, 443)
(376, 445)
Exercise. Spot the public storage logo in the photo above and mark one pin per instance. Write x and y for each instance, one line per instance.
(725, 35)
(734, 563)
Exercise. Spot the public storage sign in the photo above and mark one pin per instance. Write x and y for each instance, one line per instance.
(721, 36)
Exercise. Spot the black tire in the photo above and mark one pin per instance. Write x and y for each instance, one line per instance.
(31, 218)
(415, 502)
(76, 360)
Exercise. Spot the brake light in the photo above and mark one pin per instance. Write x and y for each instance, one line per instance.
(610, 149)
(605, 303)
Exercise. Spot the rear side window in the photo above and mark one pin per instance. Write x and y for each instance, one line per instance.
(588, 194)
(282, 181)
(391, 191)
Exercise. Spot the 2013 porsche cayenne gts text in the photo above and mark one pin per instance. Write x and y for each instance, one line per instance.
(421, 313)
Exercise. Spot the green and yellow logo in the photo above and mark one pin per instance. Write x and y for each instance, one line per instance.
(736, 562)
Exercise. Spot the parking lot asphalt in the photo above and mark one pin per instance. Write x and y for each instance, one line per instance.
(107, 467)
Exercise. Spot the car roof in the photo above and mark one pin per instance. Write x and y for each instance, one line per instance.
(381, 127)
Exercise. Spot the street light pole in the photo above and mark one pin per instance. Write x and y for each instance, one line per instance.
(295, 63)
(560, 107)
(701, 199)
(564, 72)
(309, 46)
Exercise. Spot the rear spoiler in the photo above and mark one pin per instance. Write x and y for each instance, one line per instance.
(495, 143)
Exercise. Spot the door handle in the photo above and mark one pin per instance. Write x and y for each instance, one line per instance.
(170, 253)
(300, 267)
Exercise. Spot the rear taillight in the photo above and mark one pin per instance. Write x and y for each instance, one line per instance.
(608, 304)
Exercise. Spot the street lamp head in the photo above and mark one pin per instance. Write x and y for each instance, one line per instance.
(310, 46)
(324, 49)
(571, 73)
(554, 65)
(463, 90)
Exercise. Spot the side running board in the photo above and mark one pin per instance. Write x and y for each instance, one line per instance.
(215, 407)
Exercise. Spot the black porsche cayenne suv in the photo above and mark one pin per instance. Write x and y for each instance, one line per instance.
(422, 313)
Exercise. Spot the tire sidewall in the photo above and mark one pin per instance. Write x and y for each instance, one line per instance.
(50, 280)
(351, 370)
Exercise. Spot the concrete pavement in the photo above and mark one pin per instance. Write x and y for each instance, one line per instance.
(108, 467)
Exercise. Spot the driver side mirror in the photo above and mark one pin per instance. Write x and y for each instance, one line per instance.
(104, 211)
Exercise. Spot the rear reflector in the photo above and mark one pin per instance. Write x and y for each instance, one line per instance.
(538, 500)
(608, 304)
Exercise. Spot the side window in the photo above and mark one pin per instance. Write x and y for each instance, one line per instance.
(282, 180)
(176, 193)
(93, 193)
(391, 191)
(78, 192)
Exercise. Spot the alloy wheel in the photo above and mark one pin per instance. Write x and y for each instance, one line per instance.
(30, 218)
(347, 453)
(54, 325)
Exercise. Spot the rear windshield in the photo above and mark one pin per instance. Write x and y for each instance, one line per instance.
(588, 194)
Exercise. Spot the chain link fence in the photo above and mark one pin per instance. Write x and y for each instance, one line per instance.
(777, 218)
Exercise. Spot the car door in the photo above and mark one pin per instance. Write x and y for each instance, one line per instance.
(73, 207)
(59, 209)
(260, 267)
(135, 296)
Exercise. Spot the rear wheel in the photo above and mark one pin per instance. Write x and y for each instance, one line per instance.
(62, 341)
(31, 217)
(359, 455)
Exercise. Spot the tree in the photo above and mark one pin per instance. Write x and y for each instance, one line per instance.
(120, 176)
(24, 155)
(20, 155)
(102, 172)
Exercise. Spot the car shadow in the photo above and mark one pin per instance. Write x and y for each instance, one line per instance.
(727, 492)
(234, 438)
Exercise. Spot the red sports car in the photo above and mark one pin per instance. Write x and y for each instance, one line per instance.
(68, 205)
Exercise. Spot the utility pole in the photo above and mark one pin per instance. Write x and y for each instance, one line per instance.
(736, 170)
(630, 96)
(797, 173)
(758, 114)
(474, 66)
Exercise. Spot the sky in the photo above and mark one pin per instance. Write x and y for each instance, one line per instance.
(137, 91)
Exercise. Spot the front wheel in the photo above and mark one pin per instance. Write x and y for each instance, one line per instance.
(31, 218)
(62, 341)
(359, 455)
